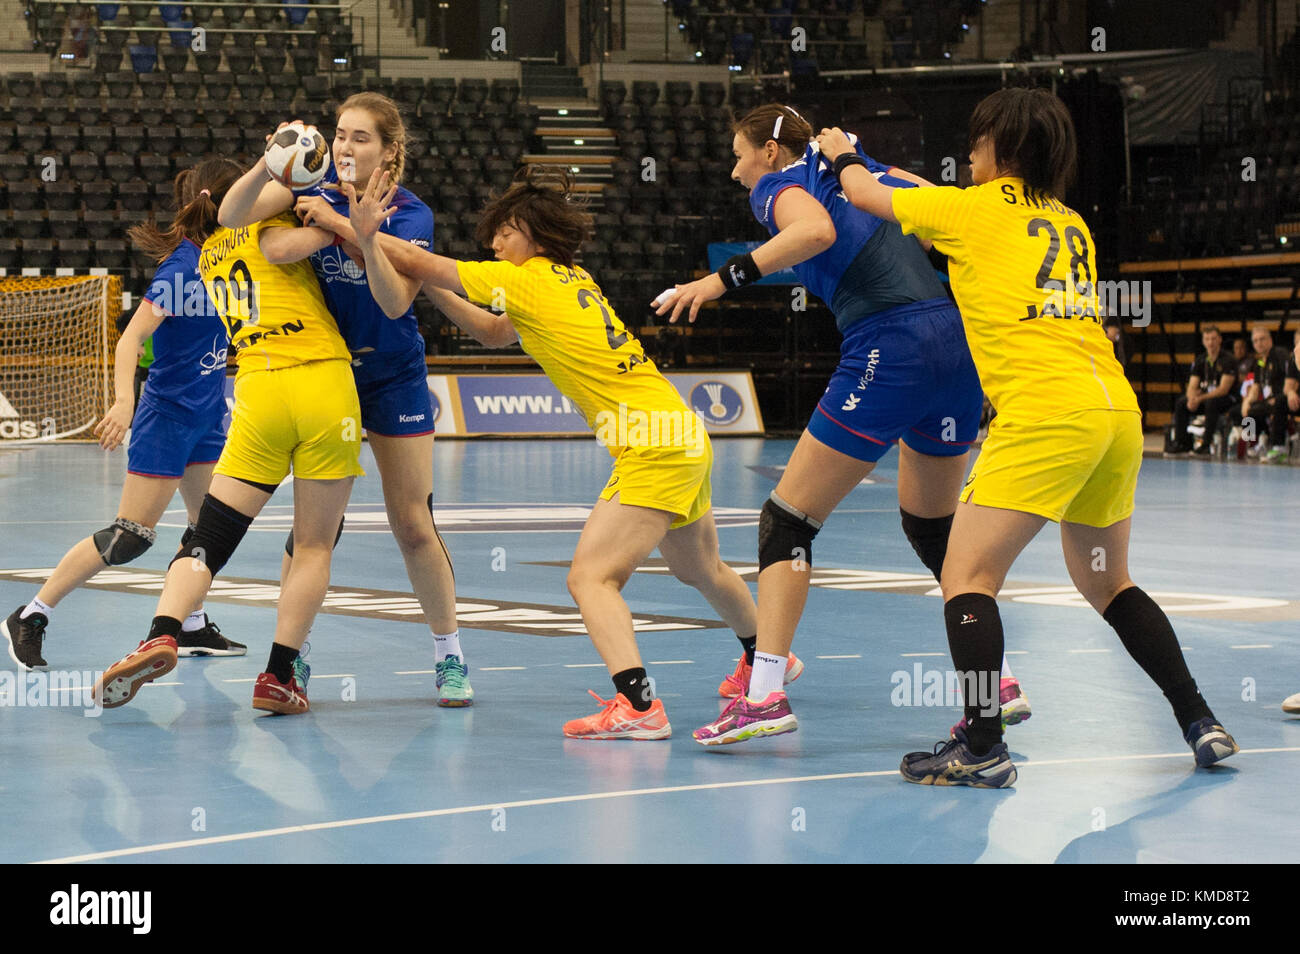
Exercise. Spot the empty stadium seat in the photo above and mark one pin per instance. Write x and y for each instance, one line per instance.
(63, 223)
(100, 224)
(62, 195)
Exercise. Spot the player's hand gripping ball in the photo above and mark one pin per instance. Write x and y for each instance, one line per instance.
(297, 155)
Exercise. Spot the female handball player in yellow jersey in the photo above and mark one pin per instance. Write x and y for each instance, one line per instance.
(659, 492)
(1066, 444)
(387, 355)
(296, 410)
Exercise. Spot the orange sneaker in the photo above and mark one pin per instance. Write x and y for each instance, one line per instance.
(618, 720)
(737, 684)
(120, 681)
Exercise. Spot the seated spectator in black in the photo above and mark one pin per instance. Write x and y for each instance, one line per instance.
(1263, 411)
(1244, 360)
(1291, 384)
(1209, 392)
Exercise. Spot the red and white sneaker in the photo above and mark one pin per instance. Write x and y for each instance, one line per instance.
(619, 720)
(120, 681)
(737, 684)
(272, 695)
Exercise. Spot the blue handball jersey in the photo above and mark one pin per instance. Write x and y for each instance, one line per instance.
(363, 323)
(894, 269)
(187, 377)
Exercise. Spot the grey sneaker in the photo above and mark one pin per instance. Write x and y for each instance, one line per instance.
(24, 638)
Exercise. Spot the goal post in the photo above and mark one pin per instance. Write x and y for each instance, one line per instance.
(57, 335)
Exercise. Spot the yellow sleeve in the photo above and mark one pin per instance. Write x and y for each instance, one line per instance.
(932, 212)
(488, 283)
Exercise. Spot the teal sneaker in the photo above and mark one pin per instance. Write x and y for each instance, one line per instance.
(453, 683)
(301, 670)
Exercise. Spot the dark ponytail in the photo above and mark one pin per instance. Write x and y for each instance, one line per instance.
(198, 192)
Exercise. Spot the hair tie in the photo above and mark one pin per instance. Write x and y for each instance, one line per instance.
(205, 192)
(776, 129)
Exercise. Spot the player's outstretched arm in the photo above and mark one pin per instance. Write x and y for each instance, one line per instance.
(806, 230)
(126, 357)
(364, 214)
(254, 196)
(489, 330)
(282, 245)
(860, 187)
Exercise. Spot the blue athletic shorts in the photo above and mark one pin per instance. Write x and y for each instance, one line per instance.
(394, 394)
(163, 445)
(907, 375)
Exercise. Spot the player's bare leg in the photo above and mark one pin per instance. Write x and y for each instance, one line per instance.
(692, 554)
(318, 507)
(616, 539)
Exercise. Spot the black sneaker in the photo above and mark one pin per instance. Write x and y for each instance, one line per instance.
(24, 637)
(207, 641)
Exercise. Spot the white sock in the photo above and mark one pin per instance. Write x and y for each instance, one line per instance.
(195, 621)
(1006, 669)
(36, 606)
(768, 676)
(448, 645)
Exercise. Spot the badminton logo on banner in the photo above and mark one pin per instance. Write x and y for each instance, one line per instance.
(474, 405)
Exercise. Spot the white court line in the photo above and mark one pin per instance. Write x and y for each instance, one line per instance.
(1255, 646)
(416, 672)
(584, 665)
(167, 683)
(505, 668)
(910, 655)
(1015, 652)
(853, 656)
(564, 800)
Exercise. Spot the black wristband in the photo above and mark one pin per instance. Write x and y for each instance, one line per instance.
(846, 160)
(739, 270)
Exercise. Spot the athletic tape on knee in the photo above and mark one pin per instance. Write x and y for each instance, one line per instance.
(785, 533)
(928, 537)
(219, 531)
(288, 543)
(123, 541)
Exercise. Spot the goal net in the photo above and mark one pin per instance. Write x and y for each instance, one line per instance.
(57, 336)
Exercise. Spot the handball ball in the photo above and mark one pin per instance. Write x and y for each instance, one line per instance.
(297, 155)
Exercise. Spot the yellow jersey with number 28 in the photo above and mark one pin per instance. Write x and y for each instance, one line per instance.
(1024, 272)
(565, 323)
(275, 315)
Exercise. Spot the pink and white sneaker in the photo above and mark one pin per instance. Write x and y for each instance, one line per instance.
(120, 681)
(737, 684)
(1013, 703)
(742, 720)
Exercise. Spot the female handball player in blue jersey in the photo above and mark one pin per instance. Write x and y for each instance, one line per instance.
(387, 356)
(905, 376)
(176, 434)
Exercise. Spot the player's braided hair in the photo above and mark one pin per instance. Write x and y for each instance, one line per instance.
(388, 121)
(197, 193)
(1032, 136)
(541, 199)
(773, 121)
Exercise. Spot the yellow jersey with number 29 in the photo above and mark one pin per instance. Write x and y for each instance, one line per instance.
(565, 323)
(1024, 272)
(275, 315)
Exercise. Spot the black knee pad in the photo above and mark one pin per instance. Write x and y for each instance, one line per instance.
(784, 533)
(188, 535)
(217, 534)
(123, 541)
(929, 538)
(288, 543)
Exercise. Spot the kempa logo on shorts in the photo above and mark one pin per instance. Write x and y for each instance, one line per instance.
(77, 907)
(851, 403)
(868, 375)
(409, 418)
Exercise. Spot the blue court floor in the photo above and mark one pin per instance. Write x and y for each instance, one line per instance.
(188, 772)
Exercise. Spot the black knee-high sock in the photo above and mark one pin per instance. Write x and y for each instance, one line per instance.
(975, 641)
(1146, 633)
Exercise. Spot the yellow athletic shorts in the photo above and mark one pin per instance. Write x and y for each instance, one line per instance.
(305, 418)
(1080, 467)
(665, 478)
